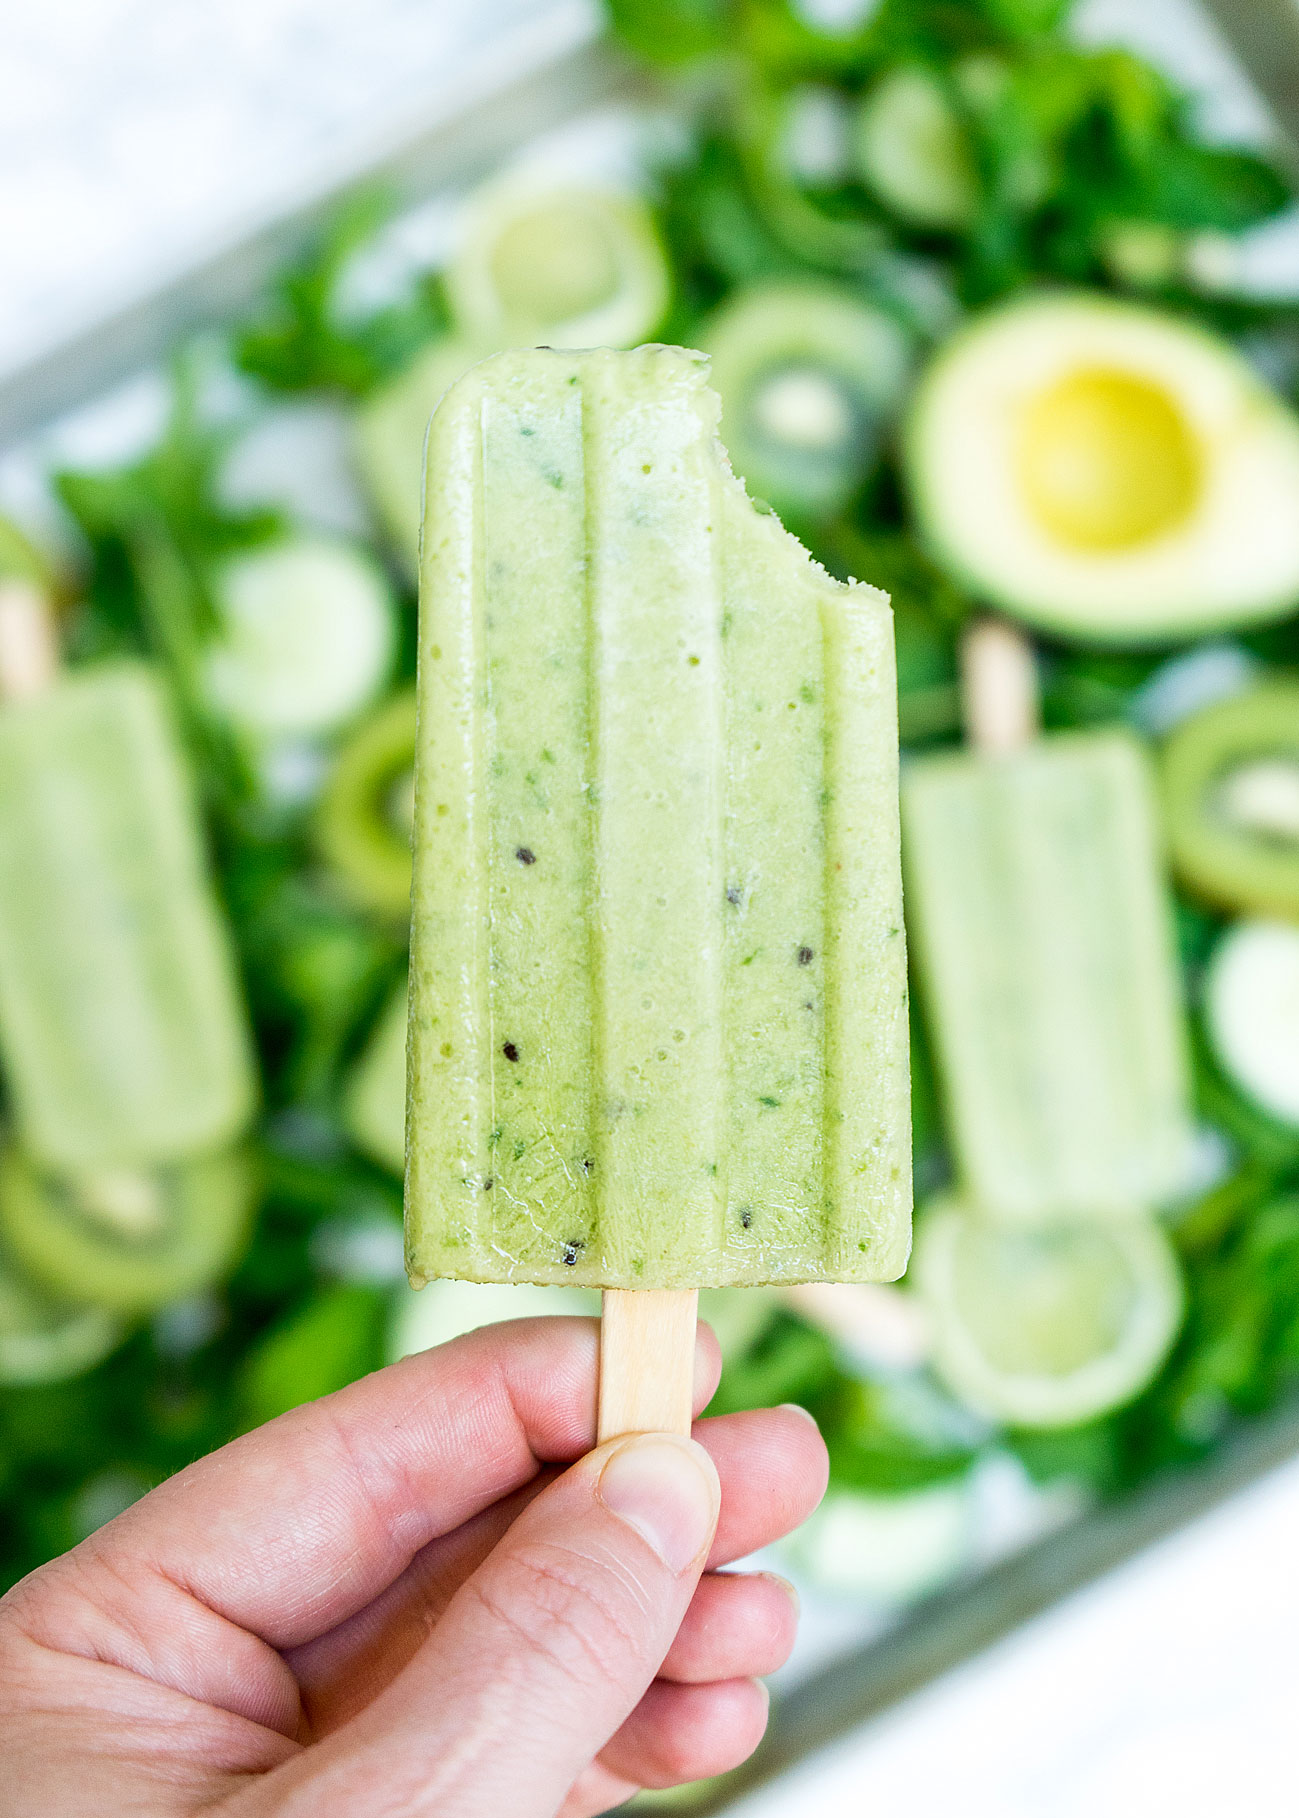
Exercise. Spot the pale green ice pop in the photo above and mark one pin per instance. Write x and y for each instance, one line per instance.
(1042, 931)
(658, 1032)
(122, 1032)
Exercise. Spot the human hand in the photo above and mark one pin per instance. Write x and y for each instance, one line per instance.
(394, 1603)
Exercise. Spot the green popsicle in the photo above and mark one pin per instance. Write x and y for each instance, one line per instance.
(1042, 931)
(658, 1017)
(122, 1032)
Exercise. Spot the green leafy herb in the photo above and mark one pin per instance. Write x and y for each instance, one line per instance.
(305, 341)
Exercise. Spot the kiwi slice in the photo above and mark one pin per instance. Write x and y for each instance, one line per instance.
(127, 1242)
(566, 265)
(47, 1339)
(914, 151)
(808, 376)
(363, 826)
(1231, 786)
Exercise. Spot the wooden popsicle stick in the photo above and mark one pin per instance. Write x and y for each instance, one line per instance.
(999, 690)
(647, 1361)
(29, 652)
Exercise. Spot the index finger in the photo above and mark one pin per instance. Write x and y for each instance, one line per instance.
(294, 1527)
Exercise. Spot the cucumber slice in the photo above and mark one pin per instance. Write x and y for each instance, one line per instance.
(568, 266)
(808, 375)
(390, 430)
(1106, 472)
(127, 1242)
(913, 150)
(1231, 785)
(374, 1104)
(308, 635)
(45, 1339)
(891, 1549)
(1050, 1327)
(1251, 1010)
(363, 825)
(447, 1309)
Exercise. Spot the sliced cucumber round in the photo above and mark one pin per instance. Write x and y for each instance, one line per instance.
(127, 1242)
(307, 637)
(564, 266)
(390, 430)
(808, 376)
(448, 1309)
(914, 152)
(890, 1548)
(1106, 472)
(1251, 1012)
(374, 1103)
(1231, 787)
(46, 1339)
(366, 813)
(1050, 1327)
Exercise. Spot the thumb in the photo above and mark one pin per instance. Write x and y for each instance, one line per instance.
(544, 1652)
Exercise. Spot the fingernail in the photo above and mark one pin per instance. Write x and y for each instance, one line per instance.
(791, 1591)
(792, 1407)
(666, 1488)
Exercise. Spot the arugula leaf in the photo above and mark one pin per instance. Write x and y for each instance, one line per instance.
(156, 530)
(878, 1442)
(1026, 18)
(302, 342)
(325, 1344)
(670, 31)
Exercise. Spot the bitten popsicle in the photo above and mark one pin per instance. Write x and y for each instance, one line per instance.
(658, 1030)
(122, 1033)
(1043, 935)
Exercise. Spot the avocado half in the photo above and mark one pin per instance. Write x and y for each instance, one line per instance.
(1106, 472)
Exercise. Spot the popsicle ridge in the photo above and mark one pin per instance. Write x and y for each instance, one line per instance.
(658, 1029)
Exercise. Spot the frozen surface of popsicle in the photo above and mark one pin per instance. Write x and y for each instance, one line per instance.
(658, 1019)
(1042, 931)
(121, 1028)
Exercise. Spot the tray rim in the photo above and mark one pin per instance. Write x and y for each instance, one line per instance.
(503, 98)
(956, 1623)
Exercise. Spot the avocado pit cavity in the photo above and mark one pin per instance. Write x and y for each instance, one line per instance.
(1107, 460)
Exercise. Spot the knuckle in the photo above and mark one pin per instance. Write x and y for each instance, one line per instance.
(577, 1616)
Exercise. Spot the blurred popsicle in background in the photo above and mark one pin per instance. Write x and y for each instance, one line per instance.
(1043, 936)
(123, 1034)
(125, 1044)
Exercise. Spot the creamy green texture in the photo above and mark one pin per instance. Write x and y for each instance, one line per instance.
(121, 1027)
(1043, 933)
(658, 1015)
